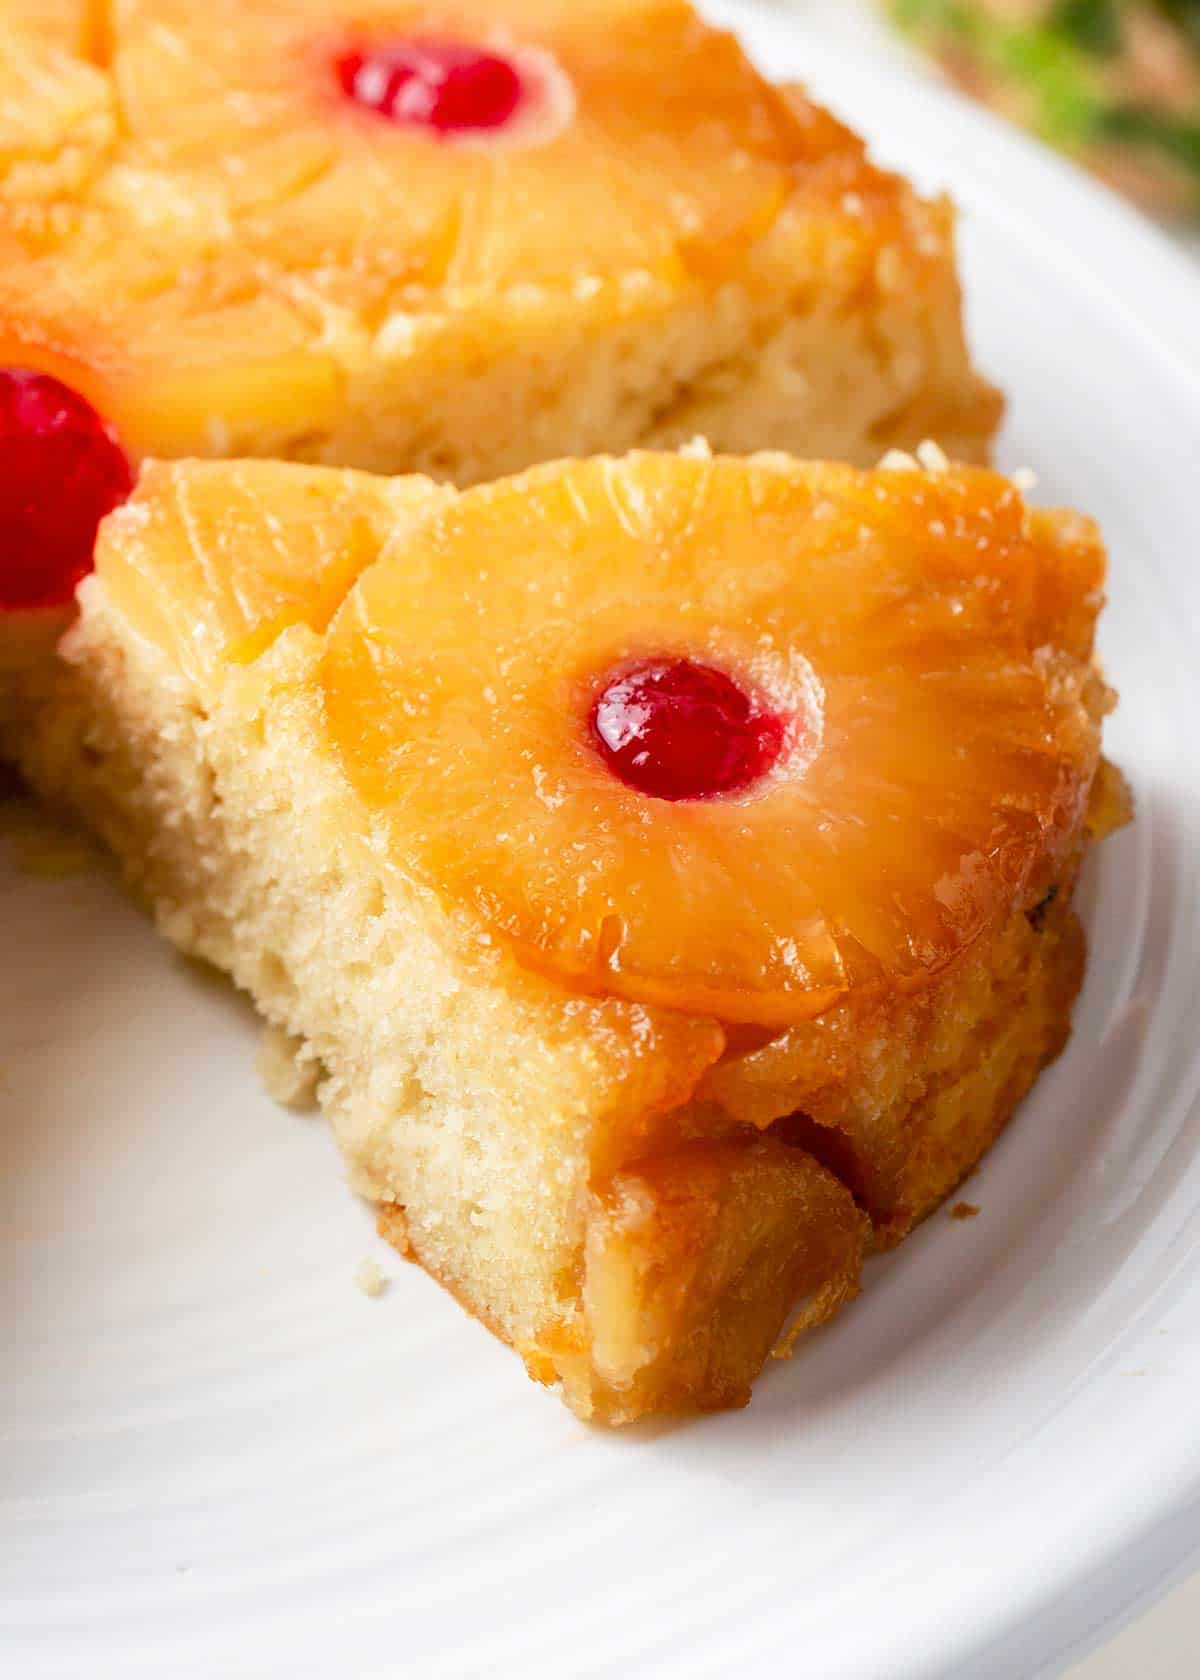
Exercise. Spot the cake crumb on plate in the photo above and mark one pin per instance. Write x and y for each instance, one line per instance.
(369, 1278)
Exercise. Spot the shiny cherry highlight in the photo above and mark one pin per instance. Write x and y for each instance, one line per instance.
(61, 471)
(675, 729)
(447, 86)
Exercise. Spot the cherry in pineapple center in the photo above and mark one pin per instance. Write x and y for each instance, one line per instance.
(676, 729)
(450, 87)
(62, 471)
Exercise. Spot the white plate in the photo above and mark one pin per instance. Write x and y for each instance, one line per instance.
(220, 1459)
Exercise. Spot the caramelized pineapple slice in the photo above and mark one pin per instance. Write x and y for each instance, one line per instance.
(72, 25)
(922, 642)
(249, 98)
(210, 562)
(57, 115)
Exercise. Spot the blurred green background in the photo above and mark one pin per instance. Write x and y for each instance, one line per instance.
(1114, 83)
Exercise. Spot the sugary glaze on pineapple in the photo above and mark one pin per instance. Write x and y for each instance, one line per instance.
(203, 234)
(635, 1171)
(923, 642)
(290, 548)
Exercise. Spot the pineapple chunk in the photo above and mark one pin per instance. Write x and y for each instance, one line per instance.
(694, 1262)
(58, 124)
(289, 548)
(72, 25)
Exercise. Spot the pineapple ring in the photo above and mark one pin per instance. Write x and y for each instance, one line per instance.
(249, 103)
(943, 758)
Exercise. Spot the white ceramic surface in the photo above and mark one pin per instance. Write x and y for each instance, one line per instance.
(218, 1458)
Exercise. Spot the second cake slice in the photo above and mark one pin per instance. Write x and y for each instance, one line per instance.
(459, 237)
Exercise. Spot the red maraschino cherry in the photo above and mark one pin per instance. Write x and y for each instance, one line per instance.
(675, 729)
(61, 471)
(447, 86)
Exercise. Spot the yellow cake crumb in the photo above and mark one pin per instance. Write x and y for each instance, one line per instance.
(369, 1278)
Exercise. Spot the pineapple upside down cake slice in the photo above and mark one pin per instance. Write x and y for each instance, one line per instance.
(667, 861)
(446, 236)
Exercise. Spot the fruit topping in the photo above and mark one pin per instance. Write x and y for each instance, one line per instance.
(63, 471)
(444, 85)
(675, 729)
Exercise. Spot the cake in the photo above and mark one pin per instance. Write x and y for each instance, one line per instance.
(452, 238)
(458, 237)
(666, 861)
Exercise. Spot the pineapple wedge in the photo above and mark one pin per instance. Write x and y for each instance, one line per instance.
(640, 1077)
